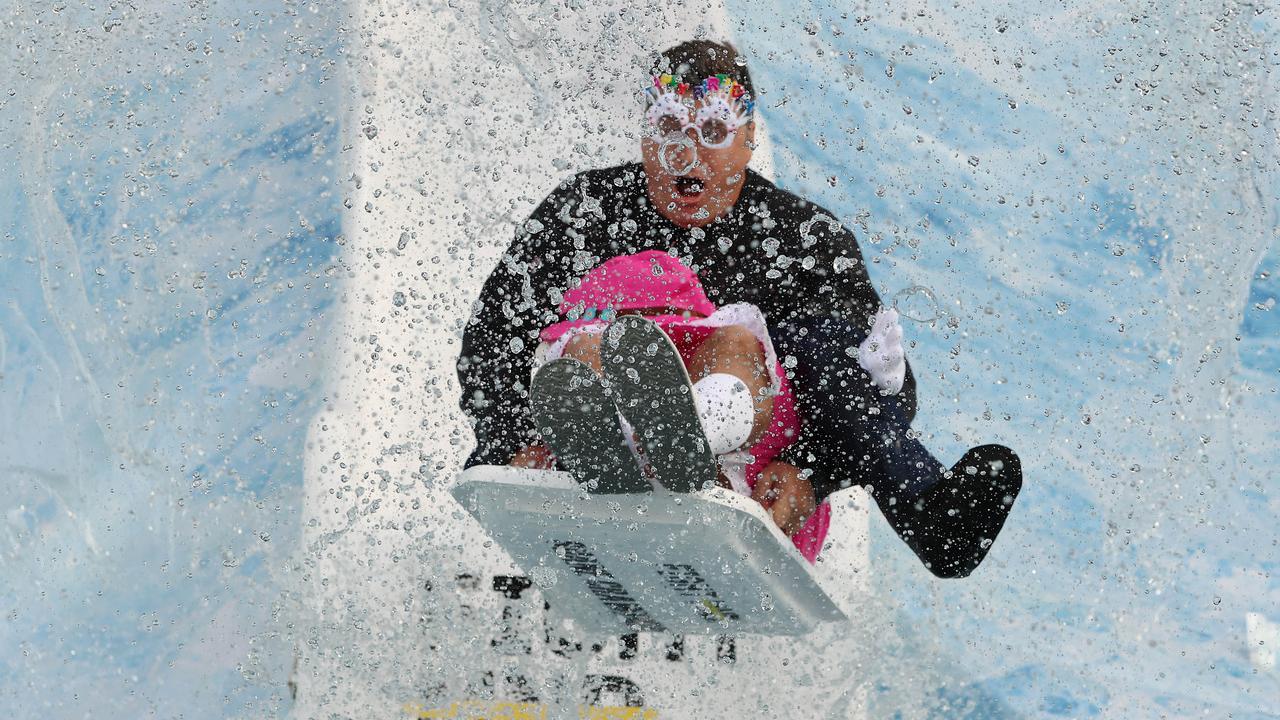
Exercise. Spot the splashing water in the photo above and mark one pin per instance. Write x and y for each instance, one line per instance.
(165, 254)
(917, 303)
(172, 261)
(669, 152)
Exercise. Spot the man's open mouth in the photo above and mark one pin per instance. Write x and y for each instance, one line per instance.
(687, 187)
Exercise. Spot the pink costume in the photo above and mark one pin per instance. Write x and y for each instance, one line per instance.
(653, 280)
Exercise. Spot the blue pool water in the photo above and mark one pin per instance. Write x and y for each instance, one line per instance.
(171, 249)
(171, 213)
(1111, 279)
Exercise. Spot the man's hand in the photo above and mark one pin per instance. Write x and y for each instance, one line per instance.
(786, 495)
(536, 457)
(881, 354)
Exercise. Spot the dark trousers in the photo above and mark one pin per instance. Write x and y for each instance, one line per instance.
(852, 434)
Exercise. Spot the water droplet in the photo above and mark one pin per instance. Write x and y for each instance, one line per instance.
(917, 303)
(669, 150)
(973, 160)
(398, 299)
(544, 577)
(807, 238)
(516, 344)
(1063, 307)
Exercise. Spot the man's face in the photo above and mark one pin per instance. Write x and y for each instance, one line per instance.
(709, 188)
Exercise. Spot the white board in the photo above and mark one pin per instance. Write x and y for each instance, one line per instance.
(708, 563)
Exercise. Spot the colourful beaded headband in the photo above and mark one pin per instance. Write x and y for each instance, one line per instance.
(721, 84)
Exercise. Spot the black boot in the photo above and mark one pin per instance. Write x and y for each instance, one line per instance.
(950, 524)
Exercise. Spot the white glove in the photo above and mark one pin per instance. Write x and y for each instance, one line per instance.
(881, 354)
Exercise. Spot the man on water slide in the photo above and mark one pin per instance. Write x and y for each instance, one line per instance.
(749, 241)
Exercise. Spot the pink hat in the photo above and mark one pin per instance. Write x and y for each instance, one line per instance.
(648, 280)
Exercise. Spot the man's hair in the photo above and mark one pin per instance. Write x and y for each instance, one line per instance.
(694, 60)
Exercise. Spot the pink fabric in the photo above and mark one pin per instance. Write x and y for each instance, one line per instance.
(650, 279)
(782, 431)
(654, 279)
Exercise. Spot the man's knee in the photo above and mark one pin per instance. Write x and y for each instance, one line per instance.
(736, 339)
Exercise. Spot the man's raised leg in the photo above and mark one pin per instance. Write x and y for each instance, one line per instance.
(948, 517)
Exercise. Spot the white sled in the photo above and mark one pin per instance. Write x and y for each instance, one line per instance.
(710, 562)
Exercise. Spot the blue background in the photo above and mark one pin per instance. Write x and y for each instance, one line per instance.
(1106, 273)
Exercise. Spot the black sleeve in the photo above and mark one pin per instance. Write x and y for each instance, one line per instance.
(500, 339)
(857, 300)
(838, 283)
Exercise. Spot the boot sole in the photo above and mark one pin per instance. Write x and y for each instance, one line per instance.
(654, 393)
(576, 414)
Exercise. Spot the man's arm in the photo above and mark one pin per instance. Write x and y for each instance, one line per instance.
(859, 301)
(502, 335)
(841, 287)
(829, 316)
(840, 273)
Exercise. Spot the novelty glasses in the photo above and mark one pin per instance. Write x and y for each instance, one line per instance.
(673, 108)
